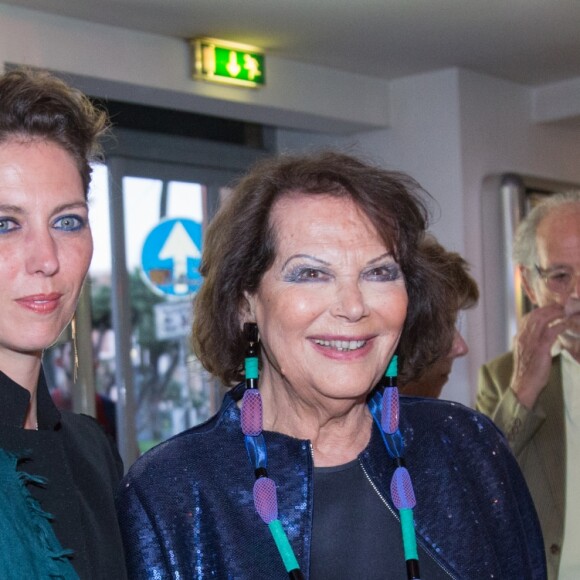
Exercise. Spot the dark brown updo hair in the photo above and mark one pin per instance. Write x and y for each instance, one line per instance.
(36, 105)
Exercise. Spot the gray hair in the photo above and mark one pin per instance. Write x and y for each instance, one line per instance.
(525, 251)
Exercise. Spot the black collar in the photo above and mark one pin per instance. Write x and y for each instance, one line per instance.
(14, 401)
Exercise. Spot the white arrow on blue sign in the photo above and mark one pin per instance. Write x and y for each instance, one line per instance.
(170, 257)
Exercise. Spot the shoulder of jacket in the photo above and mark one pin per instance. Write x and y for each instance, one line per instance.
(429, 412)
(501, 364)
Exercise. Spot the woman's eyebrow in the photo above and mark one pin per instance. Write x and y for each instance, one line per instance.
(307, 256)
(9, 208)
(325, 263)
(72, 205)
(380, 258)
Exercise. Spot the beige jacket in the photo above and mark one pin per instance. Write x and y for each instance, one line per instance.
(538, 440)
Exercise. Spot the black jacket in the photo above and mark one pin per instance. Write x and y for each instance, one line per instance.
(82, 469)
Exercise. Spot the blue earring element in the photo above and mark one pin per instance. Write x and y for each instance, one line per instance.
(384, 408)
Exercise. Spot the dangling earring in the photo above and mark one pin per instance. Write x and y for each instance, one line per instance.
(265, 495)
(385, 410)
(252, 402)
(73, 331)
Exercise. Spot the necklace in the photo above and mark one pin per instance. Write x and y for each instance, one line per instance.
(384, 407)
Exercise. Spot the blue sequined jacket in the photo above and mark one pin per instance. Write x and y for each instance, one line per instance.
(186, 507)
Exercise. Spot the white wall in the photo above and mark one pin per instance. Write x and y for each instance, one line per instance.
(124, 64)
(452, 130)
(457, 132)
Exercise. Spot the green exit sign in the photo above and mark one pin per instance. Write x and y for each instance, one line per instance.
(228, 62)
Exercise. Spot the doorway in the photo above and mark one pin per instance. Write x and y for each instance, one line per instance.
(138, 374)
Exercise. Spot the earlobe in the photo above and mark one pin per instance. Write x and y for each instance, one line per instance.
(247, 313)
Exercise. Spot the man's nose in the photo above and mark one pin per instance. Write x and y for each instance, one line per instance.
(576, 286)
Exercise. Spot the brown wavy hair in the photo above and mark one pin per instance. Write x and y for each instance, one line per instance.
(461, 290)
(240, 246)
(36, 105)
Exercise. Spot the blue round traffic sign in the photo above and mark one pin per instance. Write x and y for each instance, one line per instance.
(170, 257)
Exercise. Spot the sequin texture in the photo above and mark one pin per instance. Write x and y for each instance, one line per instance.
(187, 510)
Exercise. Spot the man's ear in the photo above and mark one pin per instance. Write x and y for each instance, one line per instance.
(528, 280)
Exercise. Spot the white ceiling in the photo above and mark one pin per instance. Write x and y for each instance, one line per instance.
(532, 42)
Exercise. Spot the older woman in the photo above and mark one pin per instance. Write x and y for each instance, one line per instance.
(313, 283)
(63, 523)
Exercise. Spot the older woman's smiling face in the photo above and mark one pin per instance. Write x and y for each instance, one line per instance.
(331, 308)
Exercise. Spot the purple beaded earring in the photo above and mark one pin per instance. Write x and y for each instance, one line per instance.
(265, 496)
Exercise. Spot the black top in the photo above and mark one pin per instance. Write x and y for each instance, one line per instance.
(354, 533)
(82, 469)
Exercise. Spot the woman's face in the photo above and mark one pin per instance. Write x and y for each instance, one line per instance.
(331, 308)
(45, 243)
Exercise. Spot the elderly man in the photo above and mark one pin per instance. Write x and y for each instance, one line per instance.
(533, 393)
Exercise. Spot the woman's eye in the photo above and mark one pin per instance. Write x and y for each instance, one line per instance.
(310, 274)
(306, 274)
(69, 223)
(384, 273)
(7, 224)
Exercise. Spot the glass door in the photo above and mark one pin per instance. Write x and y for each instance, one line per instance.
(149, 206)
(157, 214)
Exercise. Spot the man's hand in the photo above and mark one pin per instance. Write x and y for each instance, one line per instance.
(538, 331)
